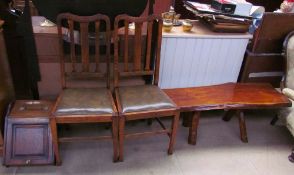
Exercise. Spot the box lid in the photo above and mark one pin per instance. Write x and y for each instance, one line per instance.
(31, 109)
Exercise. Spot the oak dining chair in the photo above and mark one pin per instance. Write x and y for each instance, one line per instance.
(83, 46)
(140, 101)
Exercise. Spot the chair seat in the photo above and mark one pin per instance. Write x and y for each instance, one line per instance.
(84, 101)
(143, 98)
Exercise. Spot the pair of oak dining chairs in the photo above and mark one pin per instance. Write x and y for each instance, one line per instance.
(91, 47)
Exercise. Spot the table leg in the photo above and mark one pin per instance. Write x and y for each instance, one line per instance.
(228, 115)
(187, 118)
(193, 128)
(274, 120)
(242, 124)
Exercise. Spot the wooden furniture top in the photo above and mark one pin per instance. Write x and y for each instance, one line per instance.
(271, 41)
(198, 31)
(227, 96)
(31, 109)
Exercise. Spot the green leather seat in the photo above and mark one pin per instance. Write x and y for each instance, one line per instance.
(91, 101)
(143, 98)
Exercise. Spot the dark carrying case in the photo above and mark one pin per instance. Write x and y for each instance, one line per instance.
(223, 6)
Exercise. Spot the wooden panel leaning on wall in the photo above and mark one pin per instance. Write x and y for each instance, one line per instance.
(264, 61)
(6, 87)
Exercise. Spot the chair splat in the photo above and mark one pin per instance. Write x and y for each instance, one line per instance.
(145, 51)
(85, 46)
(126, 47)
(87, 40)
(97, 45)
(72, 45)
(149, 42)
(138, 46)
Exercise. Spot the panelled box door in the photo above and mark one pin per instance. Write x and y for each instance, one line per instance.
(28, 142)
(27, 139)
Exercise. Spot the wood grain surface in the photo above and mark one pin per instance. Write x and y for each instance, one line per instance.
(227, 96)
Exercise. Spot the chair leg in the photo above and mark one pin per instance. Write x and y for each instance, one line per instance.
(174, 127)
(115, 138)
(53, 128)
(121, 130)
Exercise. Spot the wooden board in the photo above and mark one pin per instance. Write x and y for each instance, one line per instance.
(236, 96)
(227, 96)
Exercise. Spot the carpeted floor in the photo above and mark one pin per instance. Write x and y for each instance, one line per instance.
(218, 151)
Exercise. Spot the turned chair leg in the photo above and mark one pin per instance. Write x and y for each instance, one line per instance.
(121, 136)
(174, 128)
(53, 128)
(115, 138)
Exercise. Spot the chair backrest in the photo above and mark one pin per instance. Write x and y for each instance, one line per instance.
(289, 57)
(269, 36)
(138, 65)
(80, 43)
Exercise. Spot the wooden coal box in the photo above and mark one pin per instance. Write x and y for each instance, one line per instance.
(27, 139)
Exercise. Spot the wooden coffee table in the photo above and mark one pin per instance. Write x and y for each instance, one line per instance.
(234, 97)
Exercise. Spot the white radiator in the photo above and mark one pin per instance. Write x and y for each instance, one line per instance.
(189, 62)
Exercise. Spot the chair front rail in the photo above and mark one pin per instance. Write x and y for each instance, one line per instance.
(149, 133)
(84, 139)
